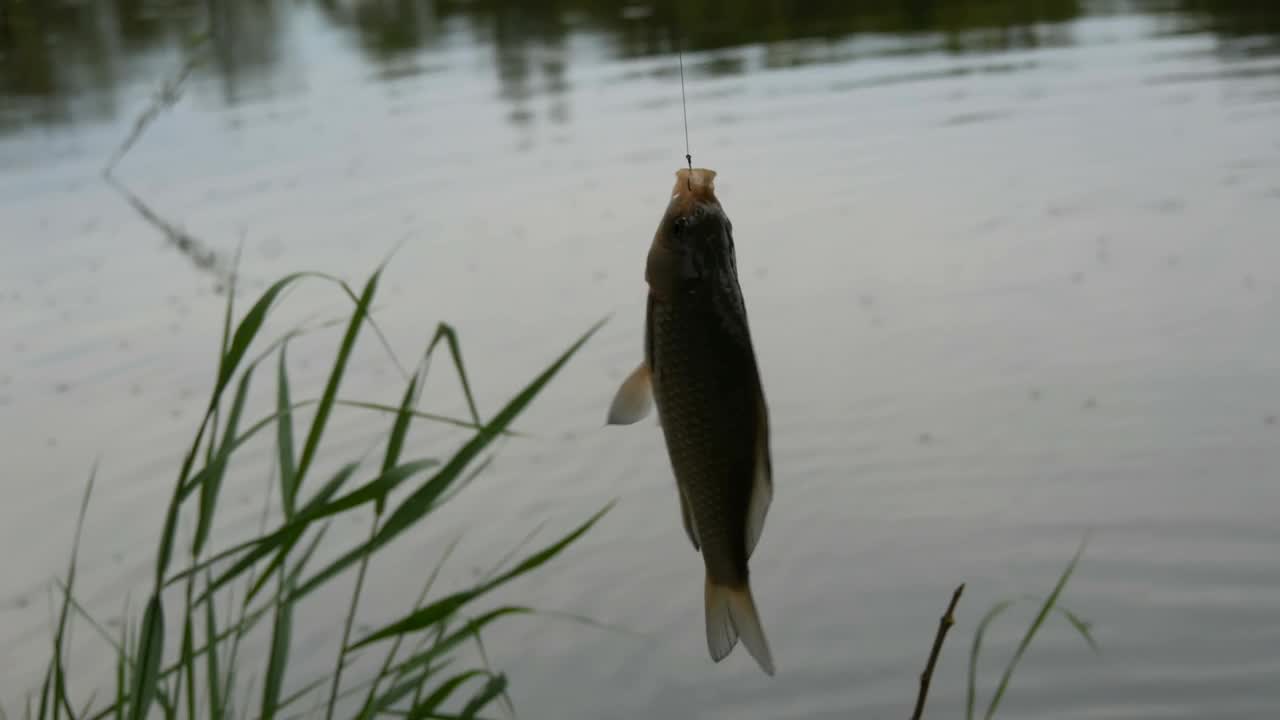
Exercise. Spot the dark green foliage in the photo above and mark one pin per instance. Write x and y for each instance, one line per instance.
(204, 675)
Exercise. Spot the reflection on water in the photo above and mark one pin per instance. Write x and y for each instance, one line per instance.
(1011, 269)
(66, 61)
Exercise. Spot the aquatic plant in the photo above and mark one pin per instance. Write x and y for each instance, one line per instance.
(188, 663)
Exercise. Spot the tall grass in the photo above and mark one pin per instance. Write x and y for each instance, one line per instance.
(189, 663)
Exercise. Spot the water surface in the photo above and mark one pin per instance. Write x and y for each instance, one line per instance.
(1011, 270)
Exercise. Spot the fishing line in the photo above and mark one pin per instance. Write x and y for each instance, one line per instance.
(684, 106)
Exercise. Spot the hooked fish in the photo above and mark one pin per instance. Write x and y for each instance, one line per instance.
(700, 368)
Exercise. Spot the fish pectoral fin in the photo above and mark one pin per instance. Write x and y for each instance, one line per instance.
(634, 398)
(690, 527)
(761, 479)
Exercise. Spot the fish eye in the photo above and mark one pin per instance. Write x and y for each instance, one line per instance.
(679, 224)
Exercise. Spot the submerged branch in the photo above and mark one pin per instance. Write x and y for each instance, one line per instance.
(165, 98)
(203, 257)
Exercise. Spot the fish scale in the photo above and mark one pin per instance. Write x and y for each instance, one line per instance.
(707, 421)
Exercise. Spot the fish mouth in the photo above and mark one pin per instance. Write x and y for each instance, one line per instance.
(693, 203)
(696, 185)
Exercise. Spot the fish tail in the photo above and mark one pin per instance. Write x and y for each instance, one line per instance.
(731, 613)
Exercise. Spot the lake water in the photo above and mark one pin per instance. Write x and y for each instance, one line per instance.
(1012, 272)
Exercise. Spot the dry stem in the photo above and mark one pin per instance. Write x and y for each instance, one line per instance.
(948, 619)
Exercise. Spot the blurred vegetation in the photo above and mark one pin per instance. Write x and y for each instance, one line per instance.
(61, 60)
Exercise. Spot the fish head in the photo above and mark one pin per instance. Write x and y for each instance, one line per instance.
(694, 240)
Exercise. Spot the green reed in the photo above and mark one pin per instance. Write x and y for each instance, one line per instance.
(189, 664)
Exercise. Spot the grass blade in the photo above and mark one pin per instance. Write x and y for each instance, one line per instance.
(543, 556)
(212, 486)
(84, 711)
(1031, 631)
(45, 688)
(495, 687)
(978, 636)
(445, 643)
(284, 435)
(417, 505)
(265, 546)
(122, 670)
(318, 508)
(442, 419)
(484, 657)
(59, 666)
(397, 693)
(196, 481)
(214, 676)
(147, 667)
(346, 626)
(281, 635)
(325, 493)
(435, 612)
(229, 312)
(445, 332)
(249, 326)
(321, 418)
(1081, 626)
(166, 705)
(399, 429)
(442, 693)
(390, 659)
(301, 565)
(395, 444)
(369, 492)
(187, 660)
(302, 692)
(373, 490)
(83, 613)
(227, 364)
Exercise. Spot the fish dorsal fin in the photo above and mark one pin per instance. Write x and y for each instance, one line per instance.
(761, 476)
(690, 526)
(634, 398)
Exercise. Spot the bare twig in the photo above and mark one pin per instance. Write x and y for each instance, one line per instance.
(948, 619)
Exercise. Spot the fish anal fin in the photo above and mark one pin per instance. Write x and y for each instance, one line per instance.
(761, 478)
(634, 398)
(731, 613)
(690, 526)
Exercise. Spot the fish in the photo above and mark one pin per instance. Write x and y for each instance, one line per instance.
(699, 369)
